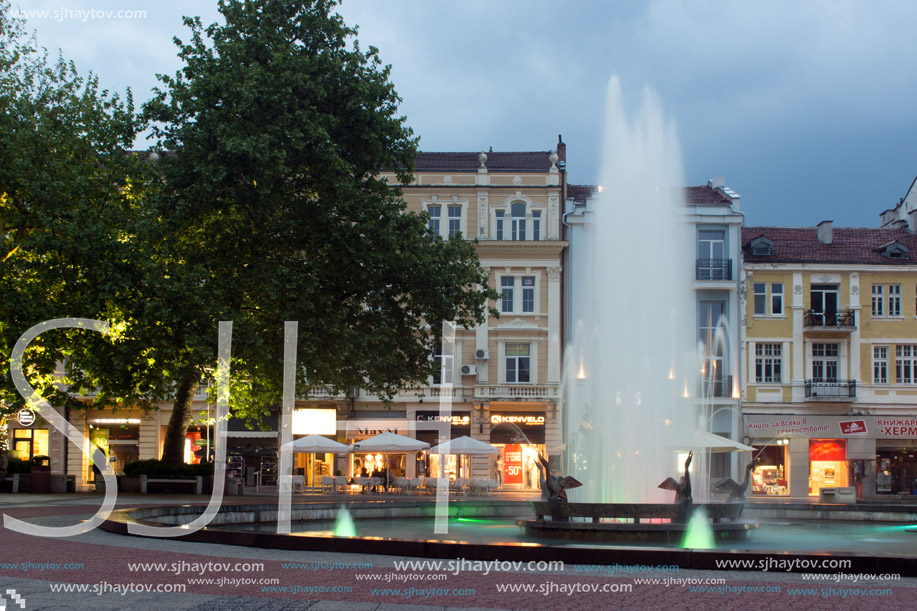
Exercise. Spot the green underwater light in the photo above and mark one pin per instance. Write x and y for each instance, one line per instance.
(344, 526)
(474, 520)
(698, 533)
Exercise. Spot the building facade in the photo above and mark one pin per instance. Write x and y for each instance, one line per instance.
(829, 356)
(713, 214)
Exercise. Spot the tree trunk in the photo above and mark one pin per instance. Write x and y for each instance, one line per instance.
(174, 447)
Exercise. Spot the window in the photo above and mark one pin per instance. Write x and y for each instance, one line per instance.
(762, 246)
(761, 300)
(528, 294)
(824, 362)
(507, 284)
(536, 224)
(518, 221)
(878, 300)
(435, 213)
(894, 300)
(824, 303)
(499, 214)
(776, 298)
(711, 244)
(518, 363)
(905, 364)
(455, 220)
(28, 443)
(768, 361)
(441, 361)
(879, 303)
(710, 316)
(880, 364)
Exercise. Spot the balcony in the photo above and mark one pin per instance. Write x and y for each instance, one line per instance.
(719, 388)
(326, 393)
(516, 392)
(829, 321)
(713, 269)
(840, 389)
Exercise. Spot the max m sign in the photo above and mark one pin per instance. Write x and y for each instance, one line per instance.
(768, 426)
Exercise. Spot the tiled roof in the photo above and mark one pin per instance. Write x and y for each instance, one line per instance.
(496, 162)
(848, 245)
(580, 193)
(705, 196)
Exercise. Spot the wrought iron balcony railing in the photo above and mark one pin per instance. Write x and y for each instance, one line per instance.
(830, 320)
(714, 269)
(839, 389)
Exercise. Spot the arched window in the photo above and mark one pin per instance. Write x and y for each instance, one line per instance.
(517, 212)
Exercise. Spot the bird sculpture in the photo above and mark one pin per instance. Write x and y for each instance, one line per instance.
(552, 486)
(682, 490)
(553, 489)
(682, 487)
(736, 490)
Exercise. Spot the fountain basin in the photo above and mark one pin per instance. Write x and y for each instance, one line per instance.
(637, 529)
(635, 511)
(606, 532)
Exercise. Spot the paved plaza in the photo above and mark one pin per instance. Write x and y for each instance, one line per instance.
(102, 570)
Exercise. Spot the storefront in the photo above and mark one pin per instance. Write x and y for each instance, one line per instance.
(377, 462)
(896, 464)
(873, 454)
(118, 438)
(314, 466)
(520, 437)
(28, 434)
(769, 477)
(459, 426)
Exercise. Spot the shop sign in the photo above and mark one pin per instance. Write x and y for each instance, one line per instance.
(25, 417)
(454, 419)
(512, 464)
(99, 437)
(114, 421)
(518, 419)
(764, 426)
(853, 427)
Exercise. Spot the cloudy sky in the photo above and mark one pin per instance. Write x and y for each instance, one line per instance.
(806, 108)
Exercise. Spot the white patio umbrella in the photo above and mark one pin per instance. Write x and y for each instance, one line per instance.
(465, 446)
(390, 443)
(316, 444)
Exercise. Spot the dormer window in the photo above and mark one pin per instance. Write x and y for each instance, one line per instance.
(762, 246)
(893, 250)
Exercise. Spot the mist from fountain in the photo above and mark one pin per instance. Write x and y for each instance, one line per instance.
(631, 370)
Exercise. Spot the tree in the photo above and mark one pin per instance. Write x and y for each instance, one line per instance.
(272, 209)
(265, 205)
(67, 188)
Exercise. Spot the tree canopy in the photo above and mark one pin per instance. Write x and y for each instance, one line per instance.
(262, 204)
(66, 192)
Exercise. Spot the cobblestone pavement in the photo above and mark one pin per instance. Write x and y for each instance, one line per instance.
(101, 570)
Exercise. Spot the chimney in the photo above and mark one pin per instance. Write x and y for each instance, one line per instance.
(716, 183)
(561, 149)
(825, 231)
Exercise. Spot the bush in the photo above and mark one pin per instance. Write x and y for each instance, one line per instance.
(157, 468)
(17, 465)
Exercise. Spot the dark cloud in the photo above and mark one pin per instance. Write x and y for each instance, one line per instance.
(805, 108)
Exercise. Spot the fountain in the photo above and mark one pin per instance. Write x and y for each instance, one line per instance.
(634, 410)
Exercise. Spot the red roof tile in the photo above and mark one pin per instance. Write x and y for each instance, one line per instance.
(705, 196)
(580, 193)
(496, 162)
(848, 245)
